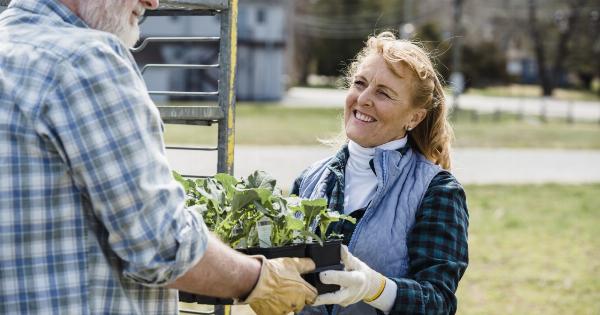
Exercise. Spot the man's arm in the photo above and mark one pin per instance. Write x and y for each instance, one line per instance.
(101, 121)
(270, 286)
(221, 272)
(103, 124)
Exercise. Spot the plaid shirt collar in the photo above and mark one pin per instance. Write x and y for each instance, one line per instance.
(51, 8)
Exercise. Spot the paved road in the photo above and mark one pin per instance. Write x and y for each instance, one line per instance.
(579, 110)
(471, 166)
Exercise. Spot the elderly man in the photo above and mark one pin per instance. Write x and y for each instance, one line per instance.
(91, 220)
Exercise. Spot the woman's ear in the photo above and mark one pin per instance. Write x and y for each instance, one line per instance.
(417, 117)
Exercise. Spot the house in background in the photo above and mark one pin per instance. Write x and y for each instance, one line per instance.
(261, 54)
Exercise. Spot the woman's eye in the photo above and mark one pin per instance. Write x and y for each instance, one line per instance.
(384, 94)
(359, 83)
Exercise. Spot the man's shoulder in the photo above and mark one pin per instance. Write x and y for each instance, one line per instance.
(55, 41)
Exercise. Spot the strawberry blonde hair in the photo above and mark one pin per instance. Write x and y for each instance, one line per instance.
(432, 136)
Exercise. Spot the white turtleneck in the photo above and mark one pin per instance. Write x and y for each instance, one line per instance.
(360, 180)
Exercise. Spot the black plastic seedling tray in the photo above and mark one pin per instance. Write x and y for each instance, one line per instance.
(327, 254)
(298, 250)
(326, 257)
(203, 299)
(315, 281)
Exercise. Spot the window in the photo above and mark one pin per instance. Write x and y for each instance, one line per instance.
(261, 16)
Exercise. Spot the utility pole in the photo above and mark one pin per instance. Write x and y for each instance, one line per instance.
(457, 78)
(407, 28)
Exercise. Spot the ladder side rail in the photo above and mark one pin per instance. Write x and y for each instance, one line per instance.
(228, 62)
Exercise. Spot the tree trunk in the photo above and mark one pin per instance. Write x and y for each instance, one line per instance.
(302, 47)
(545, 80)
(562, 49)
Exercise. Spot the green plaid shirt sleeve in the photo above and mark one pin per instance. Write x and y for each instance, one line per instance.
(438, 251)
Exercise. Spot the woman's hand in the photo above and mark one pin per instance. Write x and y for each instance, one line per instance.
(358, 282)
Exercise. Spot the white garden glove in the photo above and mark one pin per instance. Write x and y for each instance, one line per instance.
(358, 282)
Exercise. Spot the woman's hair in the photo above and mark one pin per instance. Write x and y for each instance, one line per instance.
(433, 136)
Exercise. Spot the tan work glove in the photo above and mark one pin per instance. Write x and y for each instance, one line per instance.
(358, 282)
(280, 289)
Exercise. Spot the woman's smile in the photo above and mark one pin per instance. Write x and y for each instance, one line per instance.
(363, 117)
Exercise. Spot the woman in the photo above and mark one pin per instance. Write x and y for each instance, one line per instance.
(408, 249)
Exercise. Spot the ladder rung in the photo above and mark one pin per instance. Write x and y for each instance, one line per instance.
(190, 113)
(179, 40)
(191, 148)
(178, 66)
(183, 93)
(180, 12)
(194, 4)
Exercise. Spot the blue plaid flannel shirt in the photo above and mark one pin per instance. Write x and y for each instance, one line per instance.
(91, 220)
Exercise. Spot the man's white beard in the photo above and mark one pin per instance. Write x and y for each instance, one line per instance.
(110, 16)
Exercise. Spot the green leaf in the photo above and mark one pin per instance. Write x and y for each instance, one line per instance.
(345, 217)
(243, 197)
(313, 207)
(327, 217)
(228, 182)
(263, 194)
(186, 183)
(262, 209)
(211, 190)
(294, 224)
(261, 179)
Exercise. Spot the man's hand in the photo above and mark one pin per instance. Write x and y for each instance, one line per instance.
(280, 289)
(358, 282)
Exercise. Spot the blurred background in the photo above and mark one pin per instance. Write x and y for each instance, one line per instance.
(523, 78)
(516, 44)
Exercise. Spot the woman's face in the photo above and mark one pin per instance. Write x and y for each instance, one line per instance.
(379, 103)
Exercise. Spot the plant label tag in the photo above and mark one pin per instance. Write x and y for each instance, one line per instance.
(264, 227)
(297, 237)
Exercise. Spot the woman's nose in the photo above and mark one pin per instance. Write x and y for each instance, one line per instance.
(365, 97)
(150, 4)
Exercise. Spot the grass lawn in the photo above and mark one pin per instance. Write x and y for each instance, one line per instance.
(533, 250)
(266, 125)
(258, 124)
(511, 132)
(517, 90)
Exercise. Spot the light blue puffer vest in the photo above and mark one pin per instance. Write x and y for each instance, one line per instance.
(379, 239)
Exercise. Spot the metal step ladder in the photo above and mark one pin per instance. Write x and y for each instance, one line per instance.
(223, 113)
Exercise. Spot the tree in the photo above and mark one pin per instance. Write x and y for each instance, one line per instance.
(566, 21)
(482, 62)
(329, 33)
(584, 58)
